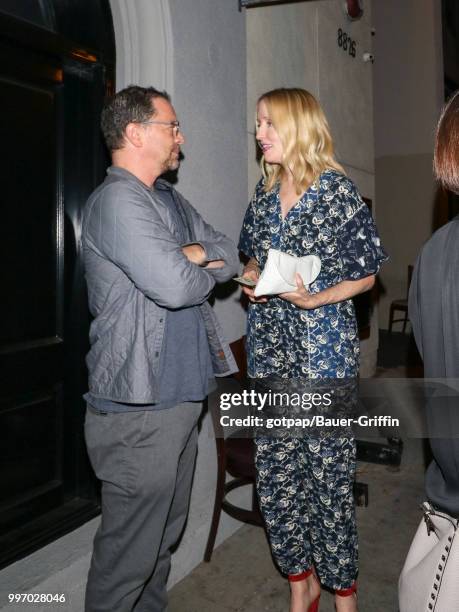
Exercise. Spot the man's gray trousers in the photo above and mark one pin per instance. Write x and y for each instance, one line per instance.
(145, 461)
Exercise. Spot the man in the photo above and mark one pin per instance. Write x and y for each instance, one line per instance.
(151, 263)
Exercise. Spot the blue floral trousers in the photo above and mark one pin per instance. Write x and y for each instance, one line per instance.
(305, 491)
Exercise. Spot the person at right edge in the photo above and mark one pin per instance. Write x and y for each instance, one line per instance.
(433, 308)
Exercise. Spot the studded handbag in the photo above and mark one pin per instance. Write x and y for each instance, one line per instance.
(429, 580)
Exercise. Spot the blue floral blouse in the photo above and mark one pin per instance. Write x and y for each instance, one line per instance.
(330, 221)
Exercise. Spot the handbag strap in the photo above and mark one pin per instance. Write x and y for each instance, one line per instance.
(429, 511)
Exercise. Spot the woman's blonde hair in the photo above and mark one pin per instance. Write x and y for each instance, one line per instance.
(305, 135)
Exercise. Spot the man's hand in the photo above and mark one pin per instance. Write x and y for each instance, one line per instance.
(215, 264)
(195, 253)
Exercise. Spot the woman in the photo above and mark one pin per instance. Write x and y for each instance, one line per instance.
(434, 314)
(305, 205)
(433, 308)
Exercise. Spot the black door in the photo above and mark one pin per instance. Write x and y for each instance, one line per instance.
(51, 92)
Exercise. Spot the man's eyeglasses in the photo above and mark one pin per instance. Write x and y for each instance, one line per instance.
(175, 125)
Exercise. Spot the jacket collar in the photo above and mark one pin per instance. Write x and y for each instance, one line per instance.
(125, 174)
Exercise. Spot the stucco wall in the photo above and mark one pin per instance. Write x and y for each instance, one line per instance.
(296, 45)
(210, 99)
(408, 94)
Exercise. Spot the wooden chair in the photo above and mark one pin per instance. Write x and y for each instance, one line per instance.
(400, 305)
(235, 456)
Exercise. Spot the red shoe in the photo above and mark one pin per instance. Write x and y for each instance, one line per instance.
(301, 576)
(352, 590)
(314, 607)
(347, 592)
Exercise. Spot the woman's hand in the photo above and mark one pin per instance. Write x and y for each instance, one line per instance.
(252, 272)
(301, 296)
(338, 293)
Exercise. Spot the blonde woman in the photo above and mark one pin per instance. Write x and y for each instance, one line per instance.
(305, 205)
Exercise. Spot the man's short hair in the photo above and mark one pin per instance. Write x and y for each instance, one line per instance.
(133, 104)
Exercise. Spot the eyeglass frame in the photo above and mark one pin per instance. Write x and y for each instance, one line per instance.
(175, 125)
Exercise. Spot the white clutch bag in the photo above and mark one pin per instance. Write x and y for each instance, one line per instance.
(278, 275)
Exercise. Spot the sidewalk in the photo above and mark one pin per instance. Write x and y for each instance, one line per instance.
(242, 578)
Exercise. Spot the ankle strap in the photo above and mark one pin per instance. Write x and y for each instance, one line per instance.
(301, 576)
(347, 592)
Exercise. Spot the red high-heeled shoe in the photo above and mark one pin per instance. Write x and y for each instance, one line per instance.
(314, 607)
(347, 592)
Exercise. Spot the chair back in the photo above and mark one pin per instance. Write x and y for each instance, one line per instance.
(228, 385)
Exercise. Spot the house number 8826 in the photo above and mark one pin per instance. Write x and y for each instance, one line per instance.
(346, 43)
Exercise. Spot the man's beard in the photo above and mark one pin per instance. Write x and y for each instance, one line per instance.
(173, 163)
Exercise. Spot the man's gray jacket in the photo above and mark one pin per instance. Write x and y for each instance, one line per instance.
(136, 271)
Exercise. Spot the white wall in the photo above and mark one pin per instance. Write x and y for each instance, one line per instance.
(210, 98)
(296, 45)
(143, 37)
(408, 91)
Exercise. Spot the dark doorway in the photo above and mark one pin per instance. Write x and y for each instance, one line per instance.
(56, 66)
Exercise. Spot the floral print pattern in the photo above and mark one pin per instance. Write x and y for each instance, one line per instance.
(331, 221)
(305, 486)
(305, 490)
